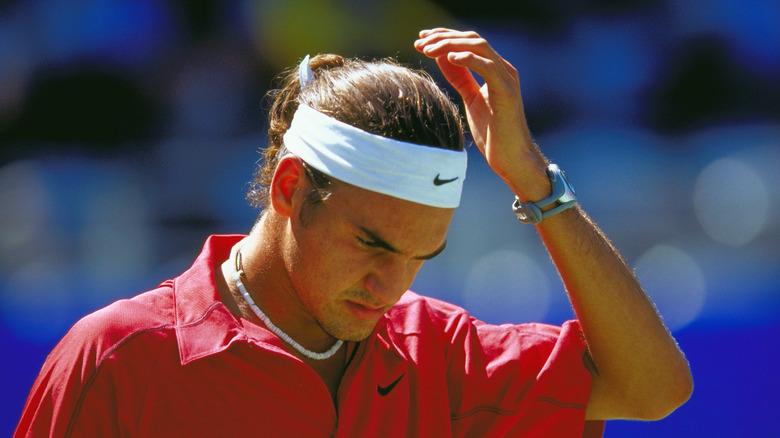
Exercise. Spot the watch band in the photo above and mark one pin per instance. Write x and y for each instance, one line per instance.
(562, 194)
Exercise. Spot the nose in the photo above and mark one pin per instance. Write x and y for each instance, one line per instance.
(390, 277)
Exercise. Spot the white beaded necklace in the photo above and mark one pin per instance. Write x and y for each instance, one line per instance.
(238, 272)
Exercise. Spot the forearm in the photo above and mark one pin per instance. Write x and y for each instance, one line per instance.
(640, 371)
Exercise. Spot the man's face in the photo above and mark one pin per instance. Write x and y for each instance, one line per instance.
(357, 253)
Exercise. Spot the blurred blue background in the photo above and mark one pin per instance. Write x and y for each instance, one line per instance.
(129, 129)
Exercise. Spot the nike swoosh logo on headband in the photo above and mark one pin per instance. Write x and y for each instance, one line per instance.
(438, 181)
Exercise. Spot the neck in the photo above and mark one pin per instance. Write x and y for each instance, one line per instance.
(273, 305)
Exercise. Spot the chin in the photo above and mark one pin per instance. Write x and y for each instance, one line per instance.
(356, 332)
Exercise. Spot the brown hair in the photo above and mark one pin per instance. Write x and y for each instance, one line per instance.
(380, 97)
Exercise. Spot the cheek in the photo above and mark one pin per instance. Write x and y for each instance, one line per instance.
(330, 267)
(412, 269)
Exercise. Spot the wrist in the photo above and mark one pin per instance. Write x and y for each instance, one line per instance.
(530, 182)
(560, 198)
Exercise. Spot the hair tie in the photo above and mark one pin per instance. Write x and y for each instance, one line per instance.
(305, 74)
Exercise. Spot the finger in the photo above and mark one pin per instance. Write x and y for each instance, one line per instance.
(434, 42)
(458, 76)
(425, 32)
(461, 78)
(491, 69)
(485, 62)
(447, 42)
(468, 50)
(435, 47)
(442, 30)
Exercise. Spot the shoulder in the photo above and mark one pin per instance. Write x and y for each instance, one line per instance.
(413, 307)
(102, 331)
(72, 376)
(135, 328)
(415, 312)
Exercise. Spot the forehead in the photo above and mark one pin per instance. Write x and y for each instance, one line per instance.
(409, 226)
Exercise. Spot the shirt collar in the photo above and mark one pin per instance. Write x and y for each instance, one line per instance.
(204, 326)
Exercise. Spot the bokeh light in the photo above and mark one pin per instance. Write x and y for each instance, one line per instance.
(731, 202)
(25, 215)
(507, 286)
(675, 282)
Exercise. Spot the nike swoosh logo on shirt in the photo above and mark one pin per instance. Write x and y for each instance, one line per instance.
(384, 390)
(438, 181)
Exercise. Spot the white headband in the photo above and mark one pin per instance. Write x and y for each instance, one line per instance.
(422, 174)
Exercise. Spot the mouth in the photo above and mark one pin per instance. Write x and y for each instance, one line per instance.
(365, 312)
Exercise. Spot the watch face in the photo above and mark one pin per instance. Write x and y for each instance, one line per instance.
(569, 193)
(568, 183)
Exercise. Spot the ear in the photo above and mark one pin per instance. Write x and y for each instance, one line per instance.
(289, 179)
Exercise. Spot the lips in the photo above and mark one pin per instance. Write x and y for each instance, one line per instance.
(364, 311)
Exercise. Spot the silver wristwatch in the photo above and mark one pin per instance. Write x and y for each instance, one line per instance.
(563, 197)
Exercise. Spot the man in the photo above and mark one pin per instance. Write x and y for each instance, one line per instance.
(305, 326)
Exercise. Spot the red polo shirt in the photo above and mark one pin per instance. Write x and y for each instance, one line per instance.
(175, 362)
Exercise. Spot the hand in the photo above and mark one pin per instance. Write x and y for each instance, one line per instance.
(494, 110)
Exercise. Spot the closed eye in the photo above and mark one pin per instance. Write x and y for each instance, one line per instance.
(374, 244)
(369, 239)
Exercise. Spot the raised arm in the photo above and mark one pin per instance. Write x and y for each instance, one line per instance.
(640, 372)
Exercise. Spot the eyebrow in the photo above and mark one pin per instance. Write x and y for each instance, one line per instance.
(382, 243)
